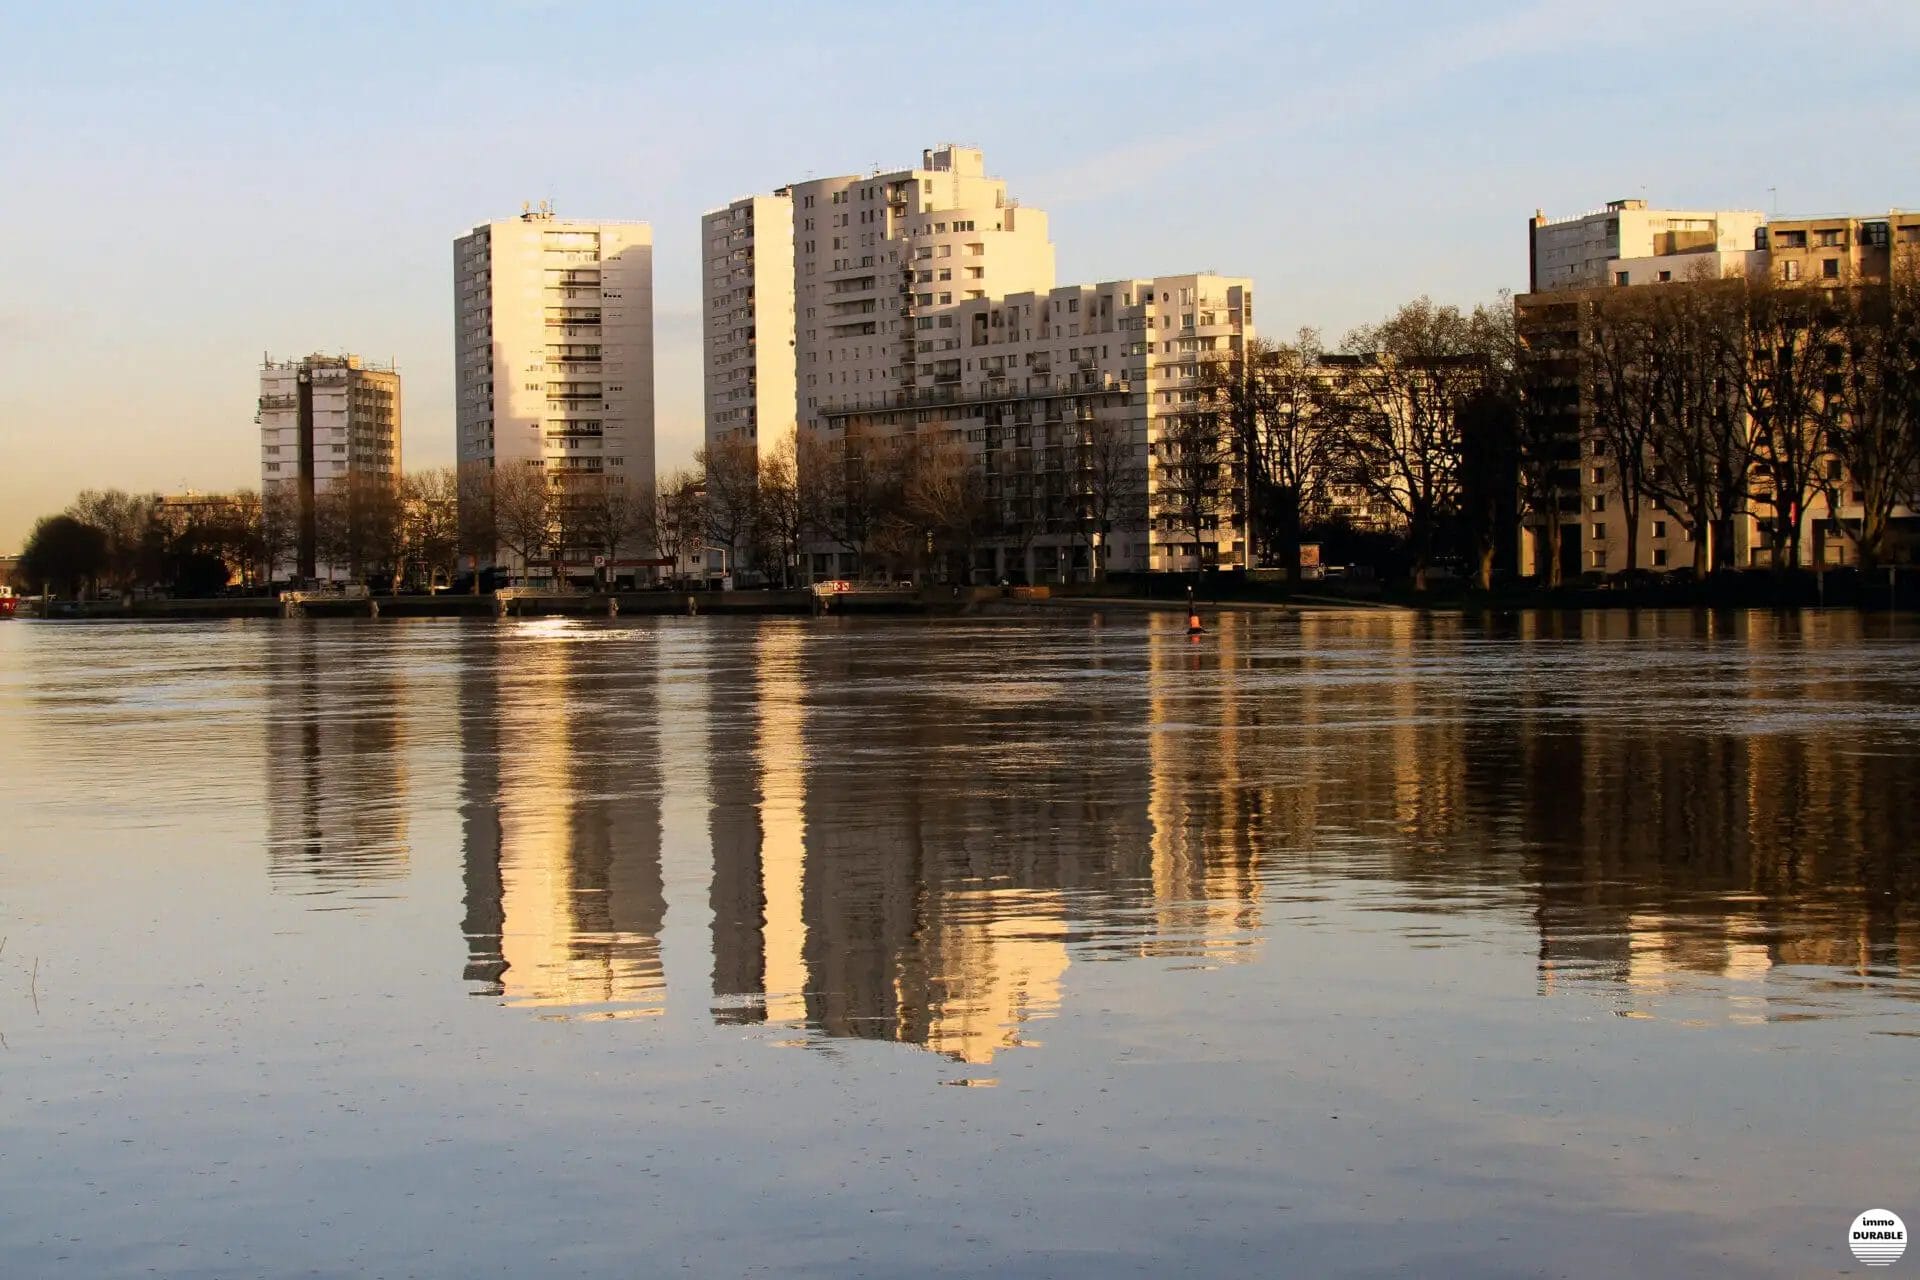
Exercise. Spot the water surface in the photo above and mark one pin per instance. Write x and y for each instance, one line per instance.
(1344, 943)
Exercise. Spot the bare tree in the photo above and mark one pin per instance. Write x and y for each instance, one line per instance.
(1407, 381)
(1874, 387)
(780, 512)
(673, 518)
(1627, 373)
(357, 524)
(1701, 435)
(1193, 467)
(430, 506)
(730, 470)
(861, 490)
(944, 499)
(478, 532)
(1110, 476)
(523, 511)
(1275, 395)
(1789, 333)
(612, 515)
(279, 531)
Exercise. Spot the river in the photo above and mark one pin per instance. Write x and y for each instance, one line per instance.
(1331, 943)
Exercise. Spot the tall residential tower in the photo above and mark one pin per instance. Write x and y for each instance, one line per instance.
(324, 421)
(823, 309)
(553, 350)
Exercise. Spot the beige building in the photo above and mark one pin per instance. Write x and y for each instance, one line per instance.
(553, 353)
(747, 305)
(324, 420)
(871, 254)
(1841, 250)
(1832, 252)
(1037, 387)
(824, 307)
(923, 301)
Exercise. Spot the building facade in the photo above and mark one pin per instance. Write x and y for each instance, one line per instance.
(1628, 243)
(1555, 324)
(553, 355)
(1078, 406)
(747, 305)
(324, 421)
(922, 303)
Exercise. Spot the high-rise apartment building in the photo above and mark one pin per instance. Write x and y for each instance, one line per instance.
(1074, 403)
(747, 297)
(923, 302)
(325, 421)
(862, 255)
(553, 351)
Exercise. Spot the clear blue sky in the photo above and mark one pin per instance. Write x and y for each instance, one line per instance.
(184, 186)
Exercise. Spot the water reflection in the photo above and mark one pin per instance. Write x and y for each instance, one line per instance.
(337, 785)
(560, 807)
(915, 832)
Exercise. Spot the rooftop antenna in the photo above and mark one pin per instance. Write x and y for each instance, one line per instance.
(1775, 193)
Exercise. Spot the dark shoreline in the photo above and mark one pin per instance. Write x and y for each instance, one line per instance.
(945, 602)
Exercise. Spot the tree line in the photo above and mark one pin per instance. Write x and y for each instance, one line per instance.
(109, 540)
(1704, 400)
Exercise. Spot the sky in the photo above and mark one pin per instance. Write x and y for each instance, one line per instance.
(185, 187)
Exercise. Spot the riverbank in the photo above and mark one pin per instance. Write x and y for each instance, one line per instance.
(1723, 591)
(933, 601)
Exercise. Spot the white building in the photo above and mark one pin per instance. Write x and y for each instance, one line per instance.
(1628, 243)
(861, 255)
(922, 300)
(324, 420)
(553, 351)
(747, 304)
(1035, 385)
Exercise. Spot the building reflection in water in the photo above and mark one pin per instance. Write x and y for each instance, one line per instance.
(910, 846)
(561, 813)
(336, 789)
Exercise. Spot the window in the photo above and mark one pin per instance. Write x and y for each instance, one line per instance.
(1790, 239)
(1659, 528)
(1659, 557)
(1597, 502)
(1599, 531)
(1829, 239)
(1829, 268)
(1666, 277)
(1619, 277)
(1599, 475)
(1789, 271)
(1598, 557)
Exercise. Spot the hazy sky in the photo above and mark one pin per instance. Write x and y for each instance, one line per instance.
(186, 186)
